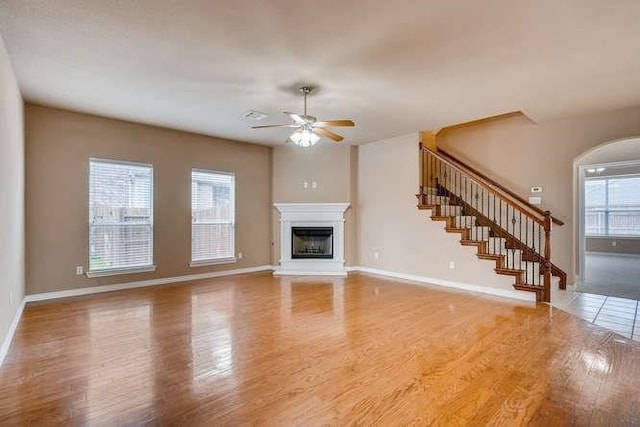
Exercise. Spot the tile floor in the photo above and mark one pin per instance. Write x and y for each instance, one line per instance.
(621, 315)
(611, 274)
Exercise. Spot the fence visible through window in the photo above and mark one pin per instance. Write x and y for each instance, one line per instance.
(612, 206)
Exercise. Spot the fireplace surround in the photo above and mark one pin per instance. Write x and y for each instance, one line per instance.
(311, 238)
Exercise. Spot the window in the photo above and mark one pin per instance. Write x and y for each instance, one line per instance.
(612, 206)
(120, 216)
(212, 216)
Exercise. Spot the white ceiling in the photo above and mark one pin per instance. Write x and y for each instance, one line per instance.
(394, 67)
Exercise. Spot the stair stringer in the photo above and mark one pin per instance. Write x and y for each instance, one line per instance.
(463, 256)
(440, 213)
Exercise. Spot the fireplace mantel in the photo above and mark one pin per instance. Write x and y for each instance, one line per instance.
(311, 215)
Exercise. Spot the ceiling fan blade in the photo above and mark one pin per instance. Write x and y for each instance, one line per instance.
(335, 123)
(328, 134)
(295, 117)
(274, 126)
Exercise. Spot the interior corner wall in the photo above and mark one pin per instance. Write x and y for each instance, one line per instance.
(331, 168)
(521, 154)
(59, 144)
(404, 238)
(12, 238)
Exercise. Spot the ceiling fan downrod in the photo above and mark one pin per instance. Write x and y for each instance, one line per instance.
(305, 90)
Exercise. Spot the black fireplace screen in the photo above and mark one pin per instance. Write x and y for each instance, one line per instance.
(312, 242)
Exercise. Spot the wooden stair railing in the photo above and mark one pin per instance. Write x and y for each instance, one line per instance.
(497, 185)
(503, 226)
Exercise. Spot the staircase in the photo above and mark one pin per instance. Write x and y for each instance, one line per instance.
(503, 227)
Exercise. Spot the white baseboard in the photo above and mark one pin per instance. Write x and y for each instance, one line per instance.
(6, 343)
(507, 293)
(142, 283)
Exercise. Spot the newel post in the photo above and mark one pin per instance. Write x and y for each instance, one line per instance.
(547, 256)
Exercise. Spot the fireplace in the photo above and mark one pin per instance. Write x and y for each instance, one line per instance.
(311, 242)
(311, 239)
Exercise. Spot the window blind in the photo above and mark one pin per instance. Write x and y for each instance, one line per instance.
(120, 215)
(612, 206)
(212, 215)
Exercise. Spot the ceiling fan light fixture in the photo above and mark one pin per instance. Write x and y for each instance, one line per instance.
(309, 129)
(304, 138)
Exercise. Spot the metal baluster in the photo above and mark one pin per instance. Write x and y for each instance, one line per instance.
(526, 238)
(465, 190)
(421, 183)
(430, 176)
(539, 245)
(438, 162)
(482, 200)
(494, 208)
(540, 240)
(513, 227)
(456, 181)
(500, 218)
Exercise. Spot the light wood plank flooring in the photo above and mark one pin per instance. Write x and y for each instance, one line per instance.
(260, 350)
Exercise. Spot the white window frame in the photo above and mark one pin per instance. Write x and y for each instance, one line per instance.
(607, 210)
(214, 261)
(113, 271)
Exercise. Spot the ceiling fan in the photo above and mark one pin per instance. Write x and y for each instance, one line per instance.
(308, 128)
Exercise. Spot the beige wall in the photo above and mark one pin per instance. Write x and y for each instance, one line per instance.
(11, 195)
(521, 154)
(58, 146)
(333, 168)
(406, 239)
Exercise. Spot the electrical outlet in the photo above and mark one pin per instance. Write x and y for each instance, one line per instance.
(239, 255)
(376, 255)
(305, 184)
(614, 243)
(79, 270)
(314, 184)
(452, 265)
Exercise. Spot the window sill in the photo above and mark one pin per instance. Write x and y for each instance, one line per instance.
(230, 260)
(612, 237)
(119, 271)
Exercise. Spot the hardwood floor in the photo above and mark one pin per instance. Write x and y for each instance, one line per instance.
(256, 349)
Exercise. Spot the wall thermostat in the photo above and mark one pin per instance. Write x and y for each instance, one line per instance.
(535, 200)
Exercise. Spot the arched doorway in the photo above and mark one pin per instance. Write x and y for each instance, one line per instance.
(607, 206)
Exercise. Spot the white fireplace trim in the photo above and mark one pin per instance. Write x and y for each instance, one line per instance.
(311, 215)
